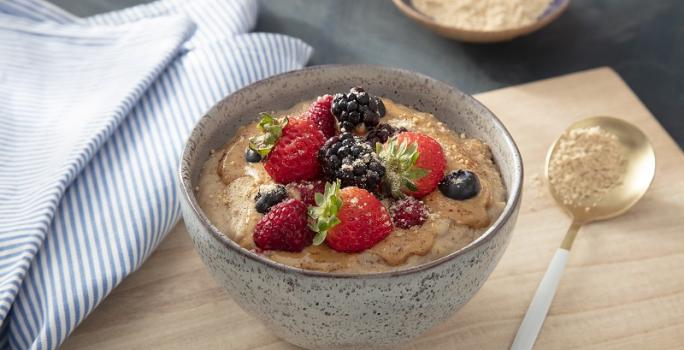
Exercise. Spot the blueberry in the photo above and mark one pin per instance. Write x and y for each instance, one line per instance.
(352, 106)
(269, 196)
(252, 156)
(460, 185)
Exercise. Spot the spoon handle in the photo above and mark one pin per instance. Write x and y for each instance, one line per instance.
(536, 313)
(539, 307)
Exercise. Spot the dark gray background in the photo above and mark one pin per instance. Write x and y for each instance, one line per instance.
(642, 40)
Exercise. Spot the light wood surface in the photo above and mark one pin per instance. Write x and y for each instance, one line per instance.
(623, 287)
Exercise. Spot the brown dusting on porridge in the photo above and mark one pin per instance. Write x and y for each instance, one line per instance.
(587, 164)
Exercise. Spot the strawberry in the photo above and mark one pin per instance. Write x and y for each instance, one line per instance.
(408, 212)
(349, 220)
(415, 164)
(306, 190)
(284, 227)
(319, 113)
(290, 147)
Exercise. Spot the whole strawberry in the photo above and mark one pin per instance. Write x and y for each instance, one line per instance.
(408, 212)
(306, 190)
(290, 147)
(415, 164)
(284, 227)
(349, 220)
(319, 113)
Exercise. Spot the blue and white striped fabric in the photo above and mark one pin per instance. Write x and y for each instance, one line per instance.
(93, 115)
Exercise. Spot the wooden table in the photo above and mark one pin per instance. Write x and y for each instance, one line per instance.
(623, 287)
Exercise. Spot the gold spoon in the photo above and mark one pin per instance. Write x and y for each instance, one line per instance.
(638, 174)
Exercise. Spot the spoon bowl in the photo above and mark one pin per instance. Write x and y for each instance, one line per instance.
(639, 171)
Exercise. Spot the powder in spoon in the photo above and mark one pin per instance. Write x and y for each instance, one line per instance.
(485, 15)
(587, 164)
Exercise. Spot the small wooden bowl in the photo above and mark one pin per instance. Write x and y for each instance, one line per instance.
(555, 9)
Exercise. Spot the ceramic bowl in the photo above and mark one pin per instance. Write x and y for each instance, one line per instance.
(552, 12)
(319, 310)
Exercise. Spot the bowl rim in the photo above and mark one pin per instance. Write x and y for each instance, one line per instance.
(546, 18)
(512, 203)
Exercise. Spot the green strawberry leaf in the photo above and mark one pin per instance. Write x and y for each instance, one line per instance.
(271, 129)
(400, 163)
(324, 214)
(416, 173)
(409, 185)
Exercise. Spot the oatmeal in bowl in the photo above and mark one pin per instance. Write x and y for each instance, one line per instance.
(397, 187)
(350, 207)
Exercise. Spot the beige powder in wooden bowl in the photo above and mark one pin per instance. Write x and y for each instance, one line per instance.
(587, 164)
(486, 15)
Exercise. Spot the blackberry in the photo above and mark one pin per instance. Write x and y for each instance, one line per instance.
(357, 107)
(268, 196)
(351, 160)
(382, 133)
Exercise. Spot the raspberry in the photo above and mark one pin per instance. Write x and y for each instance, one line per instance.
(319, 113)
(306, 190)
(285, 227)
(408, 212)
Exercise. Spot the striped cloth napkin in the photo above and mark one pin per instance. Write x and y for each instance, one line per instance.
(93, 115)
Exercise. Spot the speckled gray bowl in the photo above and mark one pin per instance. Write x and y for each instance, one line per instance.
(349, 311)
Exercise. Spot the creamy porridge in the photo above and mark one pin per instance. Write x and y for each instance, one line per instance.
(229, 184)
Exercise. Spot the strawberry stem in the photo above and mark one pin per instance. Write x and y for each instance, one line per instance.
(400, 163)
(271, 129)
(324, 214)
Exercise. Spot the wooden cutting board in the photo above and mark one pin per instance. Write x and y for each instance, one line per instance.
(623, 287)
